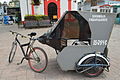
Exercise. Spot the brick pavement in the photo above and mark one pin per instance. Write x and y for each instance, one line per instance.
(53, 72)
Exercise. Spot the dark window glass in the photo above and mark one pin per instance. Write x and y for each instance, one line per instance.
(71, 27)
(36, 1)
(76, 27)
(118, 15)
(114, 10)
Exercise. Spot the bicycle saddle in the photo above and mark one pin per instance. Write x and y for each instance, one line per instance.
(32, 34)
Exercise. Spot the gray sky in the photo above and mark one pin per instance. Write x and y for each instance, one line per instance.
(4, 0)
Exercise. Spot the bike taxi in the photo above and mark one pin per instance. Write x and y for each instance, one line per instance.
(80, 40)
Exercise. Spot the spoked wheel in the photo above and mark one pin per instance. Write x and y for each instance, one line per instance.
(12, 52)
(38, 60)
(93, 71)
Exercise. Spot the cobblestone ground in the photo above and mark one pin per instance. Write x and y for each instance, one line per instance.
(53, 72)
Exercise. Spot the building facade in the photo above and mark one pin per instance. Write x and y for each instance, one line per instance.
(3, 9)
(47, 7)
(88, 3)
(107, 7)
(102, 8)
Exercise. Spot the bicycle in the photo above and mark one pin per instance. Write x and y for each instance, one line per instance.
(34, 55)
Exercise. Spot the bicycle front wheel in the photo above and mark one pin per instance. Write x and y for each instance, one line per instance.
(38, 60)
(12, 52)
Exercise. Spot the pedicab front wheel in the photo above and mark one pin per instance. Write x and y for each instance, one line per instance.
(37, 59)
(96, 70)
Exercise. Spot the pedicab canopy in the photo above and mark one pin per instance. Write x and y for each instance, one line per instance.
(91, 27)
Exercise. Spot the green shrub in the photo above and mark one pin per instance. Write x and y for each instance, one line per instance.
(36, 17)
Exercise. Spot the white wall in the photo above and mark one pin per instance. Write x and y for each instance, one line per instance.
(63, 6)
(118, 10)
(39, 10)
(29, 6)
(74, 5)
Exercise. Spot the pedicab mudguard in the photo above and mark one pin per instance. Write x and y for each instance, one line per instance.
(106, 61)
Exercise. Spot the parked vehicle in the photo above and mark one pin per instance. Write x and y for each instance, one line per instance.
(80, 40)
(8, 20)
(36, 56)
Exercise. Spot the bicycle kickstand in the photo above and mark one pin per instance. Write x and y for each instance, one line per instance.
(21, 61)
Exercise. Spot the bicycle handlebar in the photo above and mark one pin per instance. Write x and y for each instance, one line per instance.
(18, 34)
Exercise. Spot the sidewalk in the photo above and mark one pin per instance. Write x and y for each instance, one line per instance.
(53, 72)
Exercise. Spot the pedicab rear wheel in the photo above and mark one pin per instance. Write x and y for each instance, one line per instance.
(94, 71)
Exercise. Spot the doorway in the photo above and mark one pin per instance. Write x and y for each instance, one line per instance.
(52, 11)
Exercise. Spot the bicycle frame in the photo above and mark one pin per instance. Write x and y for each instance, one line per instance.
(29, 47)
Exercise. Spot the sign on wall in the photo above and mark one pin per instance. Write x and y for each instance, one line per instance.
(12, 11)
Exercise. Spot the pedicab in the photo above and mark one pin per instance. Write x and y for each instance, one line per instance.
(80, 40)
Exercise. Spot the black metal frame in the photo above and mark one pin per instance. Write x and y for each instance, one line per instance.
(29, 45)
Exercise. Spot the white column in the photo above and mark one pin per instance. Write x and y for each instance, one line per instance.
(41, 9)
(29, 7)
(111, 10)
(23, 7)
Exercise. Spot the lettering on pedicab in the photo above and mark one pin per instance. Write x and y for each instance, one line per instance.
(98, 18)
(100, 42)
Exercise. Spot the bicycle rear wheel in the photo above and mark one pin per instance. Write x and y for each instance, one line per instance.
(38, 60)
(12, 52)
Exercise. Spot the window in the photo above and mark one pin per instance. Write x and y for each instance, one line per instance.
(94, 10)
(106, 10)
(76, 27)
(4, 9)
(118, 15)
(109, 10)
(71, 27)
(101, 10)
(36, 2)
(114, 10)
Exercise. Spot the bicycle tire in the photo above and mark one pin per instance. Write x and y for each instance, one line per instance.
(12, 52)
(37, 68)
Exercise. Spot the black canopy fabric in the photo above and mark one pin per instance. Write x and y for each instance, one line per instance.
(55, 38)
